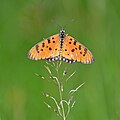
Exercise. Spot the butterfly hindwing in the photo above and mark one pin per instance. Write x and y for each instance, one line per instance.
(47, 49)
(75, 51)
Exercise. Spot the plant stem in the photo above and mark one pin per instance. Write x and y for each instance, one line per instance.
(60, 93)
(61, 102)
(62, 111)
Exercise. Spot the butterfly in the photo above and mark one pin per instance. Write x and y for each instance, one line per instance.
(63, 47)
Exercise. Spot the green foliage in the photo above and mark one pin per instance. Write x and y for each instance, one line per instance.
(24, 23)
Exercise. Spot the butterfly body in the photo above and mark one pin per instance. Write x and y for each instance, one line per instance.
(61, 47)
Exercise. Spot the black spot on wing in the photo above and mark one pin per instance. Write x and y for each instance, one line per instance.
(50, 48)
(85, 51)
(48, 40)
(72, 50)
(37, 46)
(80, 52)
(79, 47)
(43, 44)
(75, 42)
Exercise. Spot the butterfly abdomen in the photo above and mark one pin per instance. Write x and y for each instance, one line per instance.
(62, 37)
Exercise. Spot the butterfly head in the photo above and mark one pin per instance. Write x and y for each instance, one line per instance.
(62, 33)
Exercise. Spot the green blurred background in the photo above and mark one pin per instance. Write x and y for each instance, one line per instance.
(26, 22)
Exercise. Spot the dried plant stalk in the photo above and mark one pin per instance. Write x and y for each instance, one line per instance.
(60, 104)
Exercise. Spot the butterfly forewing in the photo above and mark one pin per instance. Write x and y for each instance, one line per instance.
(47, 49)
(75, 51)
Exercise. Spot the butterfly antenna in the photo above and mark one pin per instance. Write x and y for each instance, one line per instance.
(72, 20)
(56, 23)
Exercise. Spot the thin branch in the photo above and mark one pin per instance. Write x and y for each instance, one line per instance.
(49, 64)
(52, 108)
(75, 90)
(70, 75)
(58, 107)
(73, 104)
(69, 101)
(68, 109)
(39, 75)
(47, 105)
(55, 101)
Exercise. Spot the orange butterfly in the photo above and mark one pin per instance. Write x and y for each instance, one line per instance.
(61, 47)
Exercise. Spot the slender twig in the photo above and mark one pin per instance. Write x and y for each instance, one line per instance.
(60, 91)
(68, 110)
(75, 90)
(70, 75)
(55, 101)
(39, 76)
